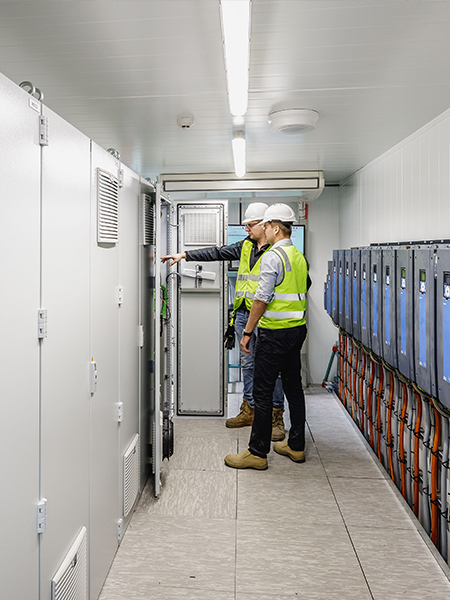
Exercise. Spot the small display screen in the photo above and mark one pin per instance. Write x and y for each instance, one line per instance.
(403, 272)
(423, 275)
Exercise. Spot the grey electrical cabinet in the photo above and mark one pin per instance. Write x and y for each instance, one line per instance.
(365, 297)
(443, 325)
(202, 311)
(404, 284)
(423, 303)
(19, 367)
(389, 313)
(376, 285)
(348, 312)
(335, 288)
(356, 293)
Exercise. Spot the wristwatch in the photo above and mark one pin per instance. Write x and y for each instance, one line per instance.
(249, 334)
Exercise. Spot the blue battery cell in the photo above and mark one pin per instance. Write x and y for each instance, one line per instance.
(403, 335)
(423, 322)
(387, 309)
(446, 334)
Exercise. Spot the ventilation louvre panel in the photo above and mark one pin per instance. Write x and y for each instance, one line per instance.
(200, 228)
(131, 474)
(70, 581)
(148, 220)
(107, 207)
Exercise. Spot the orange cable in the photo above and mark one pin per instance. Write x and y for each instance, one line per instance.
(401, 445)
(361, 391)
(369, 401)
(416, 454)
(434, 477)
(389, 427)
(379, 414)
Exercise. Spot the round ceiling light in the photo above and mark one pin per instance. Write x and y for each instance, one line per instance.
(293, 120)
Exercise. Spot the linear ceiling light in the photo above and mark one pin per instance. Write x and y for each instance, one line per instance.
(236, 40)
(238, 145)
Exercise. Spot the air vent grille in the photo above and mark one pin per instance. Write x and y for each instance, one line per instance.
(148, 220)
(131, 474)
(70, 581)
(200, 228)
(107, 207)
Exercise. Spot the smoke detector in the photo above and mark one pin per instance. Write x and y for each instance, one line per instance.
(293, 120)
(185, 121)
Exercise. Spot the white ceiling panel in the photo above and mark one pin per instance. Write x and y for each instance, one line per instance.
(123, 70)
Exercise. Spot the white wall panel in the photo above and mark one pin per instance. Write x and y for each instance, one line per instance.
(19, 364)
(129, 312)
(104, 496)
(404, 194)
(322, 236)
(65, 352)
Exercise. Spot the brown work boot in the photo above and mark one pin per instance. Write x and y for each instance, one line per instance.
(246, 460)
(277, 425)
(295, 455)
(244, 418)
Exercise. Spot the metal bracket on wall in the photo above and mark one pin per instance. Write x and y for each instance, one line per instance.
(43, 131)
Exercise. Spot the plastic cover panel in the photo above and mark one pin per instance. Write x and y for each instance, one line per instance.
(366, 292)
(423, 301)
(70, 581)
(443, 325)
(389, 289)
(341, 272)
(376, 285)
(348, 297)
(356, 293)
(329, 287)
(404, 284)
(335, 288)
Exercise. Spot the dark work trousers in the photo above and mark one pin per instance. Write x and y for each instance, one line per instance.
(278, 351)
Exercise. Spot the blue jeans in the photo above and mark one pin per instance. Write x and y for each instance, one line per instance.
(247, 361)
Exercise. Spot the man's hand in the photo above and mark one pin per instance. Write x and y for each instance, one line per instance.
(173, 257)
(245, 343)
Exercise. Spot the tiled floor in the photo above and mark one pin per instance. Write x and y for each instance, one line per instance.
(329, 529)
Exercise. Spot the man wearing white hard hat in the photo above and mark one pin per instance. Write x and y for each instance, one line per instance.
(279, 312)
(249, 253)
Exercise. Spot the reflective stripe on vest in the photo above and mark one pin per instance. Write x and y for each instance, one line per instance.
(247, 279)
(288, 305)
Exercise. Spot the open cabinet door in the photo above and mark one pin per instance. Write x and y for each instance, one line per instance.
(202, 311)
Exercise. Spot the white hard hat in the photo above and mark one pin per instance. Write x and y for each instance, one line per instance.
(279, 212)
(255, 212)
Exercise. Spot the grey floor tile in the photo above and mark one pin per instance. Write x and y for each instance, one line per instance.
(350, 463)
(202, 453)
(207, 494)
(369, 503)
(281, 559)
(201, 427)
(263, 495)
(350, 594)
(398, 564)
(161, 592)
(174, 553)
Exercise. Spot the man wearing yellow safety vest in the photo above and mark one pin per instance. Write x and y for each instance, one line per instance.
(249, 253)
(279, 312)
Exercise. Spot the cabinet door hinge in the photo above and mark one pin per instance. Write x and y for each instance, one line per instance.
(42, 323)
(42, 515)
(121, 177)
(119, 412)
(43, 131)
(119, 530)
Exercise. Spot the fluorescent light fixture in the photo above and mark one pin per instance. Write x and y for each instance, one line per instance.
(236, 40)
(238, 145)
